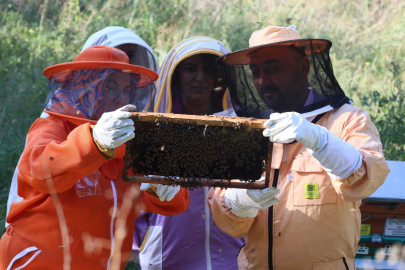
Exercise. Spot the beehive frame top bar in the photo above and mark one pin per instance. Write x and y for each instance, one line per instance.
(211, 120)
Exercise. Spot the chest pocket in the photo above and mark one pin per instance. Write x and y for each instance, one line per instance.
(311, 184)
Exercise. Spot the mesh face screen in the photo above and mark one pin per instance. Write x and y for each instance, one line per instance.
(88, 93)
(193, 150)
(248, 103)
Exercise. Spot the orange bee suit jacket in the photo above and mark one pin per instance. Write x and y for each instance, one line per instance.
(59, 151)
(305, 233)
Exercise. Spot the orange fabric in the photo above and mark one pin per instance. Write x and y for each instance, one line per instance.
(311, 233)
(11, 244)
(178, 205)
(60, 153)
(100, 56)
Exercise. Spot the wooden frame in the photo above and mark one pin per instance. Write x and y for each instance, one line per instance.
(186, 120)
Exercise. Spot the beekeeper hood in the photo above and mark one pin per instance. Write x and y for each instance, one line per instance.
(114, 36)
(138, 51)
(100, 79)
(325, 92)
(166, 99)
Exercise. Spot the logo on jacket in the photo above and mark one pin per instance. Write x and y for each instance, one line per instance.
(311, 191)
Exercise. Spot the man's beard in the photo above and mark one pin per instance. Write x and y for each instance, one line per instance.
(283, 98)
(276, 100)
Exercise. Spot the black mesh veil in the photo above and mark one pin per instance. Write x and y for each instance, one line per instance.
(248, 103)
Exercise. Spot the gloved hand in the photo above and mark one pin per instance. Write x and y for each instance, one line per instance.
(290, 126)
(337, 157)
(115, 128)
(164, 192)
(246, 202)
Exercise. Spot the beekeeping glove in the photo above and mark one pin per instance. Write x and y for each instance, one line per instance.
(164, 192)
(115, 128)
(337, 157)
(246, 202)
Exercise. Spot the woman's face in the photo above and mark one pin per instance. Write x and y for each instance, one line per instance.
(196, 80)
(117, 91)
(130, 50)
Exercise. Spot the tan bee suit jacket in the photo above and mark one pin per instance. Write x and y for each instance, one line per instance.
(309, 233)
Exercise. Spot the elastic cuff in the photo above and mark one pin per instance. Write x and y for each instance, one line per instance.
(251, 213)
(106, 152)
(347, 174)
(152, 190)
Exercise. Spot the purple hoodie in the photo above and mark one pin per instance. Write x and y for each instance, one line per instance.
(190, 240)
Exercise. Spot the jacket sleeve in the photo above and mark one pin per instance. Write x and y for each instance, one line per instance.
(57, 155)
(178, 205)
(226, 220)
(360, 132)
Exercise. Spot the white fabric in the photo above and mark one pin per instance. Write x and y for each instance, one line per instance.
(13, 195)
(22, 254)
(43, 115)
(337, 157)
(311, 115)
(180, 52)
(207, 230)
(29, 261)
(150, 256)
(164, 192)
(228, 113)
(113, 36)
(246, 202)
(115, 128)
(112, 225)
(289, 126)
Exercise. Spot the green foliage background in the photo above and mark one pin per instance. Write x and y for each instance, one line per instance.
(368, 50)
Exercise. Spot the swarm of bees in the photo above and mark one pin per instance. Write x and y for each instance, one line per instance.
(194, 149)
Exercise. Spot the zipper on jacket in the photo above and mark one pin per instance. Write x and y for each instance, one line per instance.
(270, 221)
(344, 261)
(270, 213)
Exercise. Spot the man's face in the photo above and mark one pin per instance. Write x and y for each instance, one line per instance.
(280, 76)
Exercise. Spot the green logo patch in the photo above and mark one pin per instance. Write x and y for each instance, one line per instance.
(311, 191)
(365, 229)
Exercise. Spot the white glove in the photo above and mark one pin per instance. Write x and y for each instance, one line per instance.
(164, 192)
(337, 157)
(115, 128)
(290, 126)
(246, 202)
